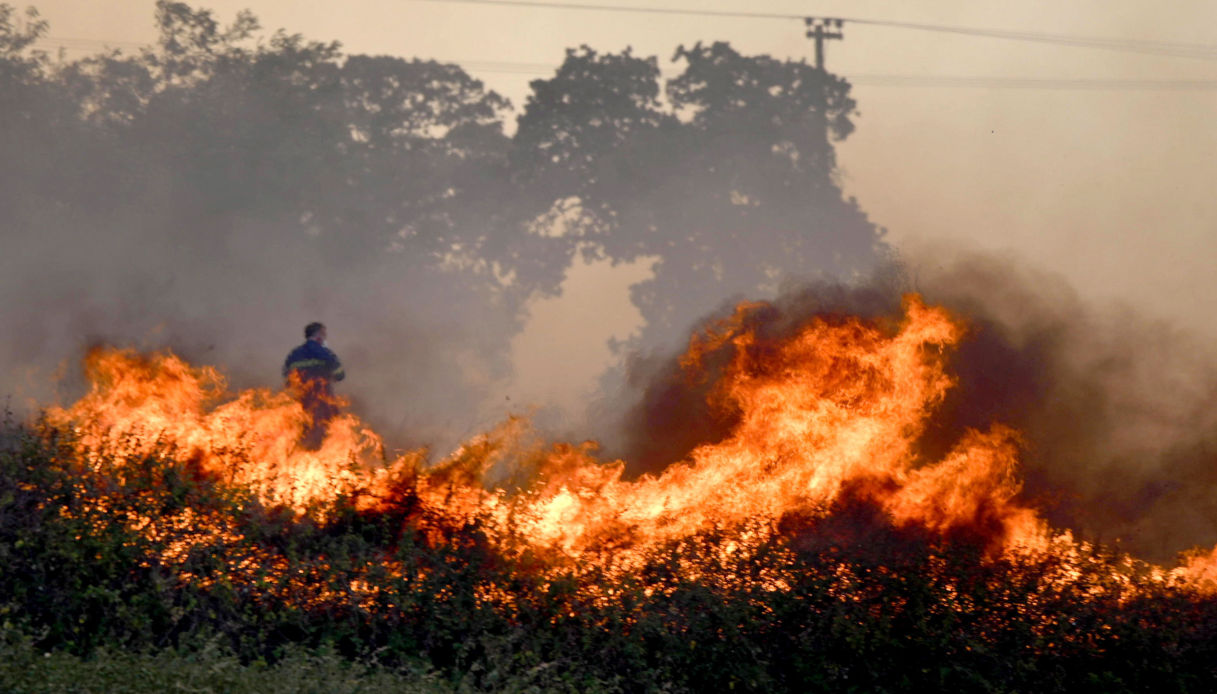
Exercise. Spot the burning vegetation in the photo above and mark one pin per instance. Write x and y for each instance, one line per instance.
(808, 500)
(814, 541)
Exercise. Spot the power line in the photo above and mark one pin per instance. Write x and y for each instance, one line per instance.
(906, 80)
(876, 79)
(624, 8)
(925, 81)
(1076, 84)
(1168, 48)
(1198, 51)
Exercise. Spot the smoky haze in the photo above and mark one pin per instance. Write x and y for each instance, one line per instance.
(1118, 410)
(224, 188)
(220, 189)
(216, 193)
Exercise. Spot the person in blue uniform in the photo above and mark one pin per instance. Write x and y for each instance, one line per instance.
(311, 370)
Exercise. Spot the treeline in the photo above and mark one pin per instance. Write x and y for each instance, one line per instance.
(223, 172)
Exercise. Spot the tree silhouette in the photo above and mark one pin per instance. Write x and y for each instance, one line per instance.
(206, 182)
(729, 186)
(219, 169)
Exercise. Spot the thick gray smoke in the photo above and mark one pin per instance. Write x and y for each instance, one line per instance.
(1119, 409)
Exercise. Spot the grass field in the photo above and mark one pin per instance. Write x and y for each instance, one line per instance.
(25, 669)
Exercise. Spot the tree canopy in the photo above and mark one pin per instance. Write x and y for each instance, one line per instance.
(177, 182)
(727, 182)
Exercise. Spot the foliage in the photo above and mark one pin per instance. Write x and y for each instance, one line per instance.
(222, 173)
(26, 669)
(220, 152)
(843, 608)
(728, 186)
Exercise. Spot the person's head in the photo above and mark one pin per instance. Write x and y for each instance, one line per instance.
(314, 331)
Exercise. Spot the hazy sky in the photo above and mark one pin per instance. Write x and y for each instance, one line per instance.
(1112, 187)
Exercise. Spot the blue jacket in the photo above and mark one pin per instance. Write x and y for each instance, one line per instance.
(313, 362)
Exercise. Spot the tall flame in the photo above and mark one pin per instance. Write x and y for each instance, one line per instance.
(830, 411)
(840, 403)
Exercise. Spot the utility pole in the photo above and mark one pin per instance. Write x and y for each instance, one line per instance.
(821, 29)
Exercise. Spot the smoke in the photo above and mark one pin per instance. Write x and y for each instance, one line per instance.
(139, 244)
(416, 359)
(1118, 410)
(234, 291)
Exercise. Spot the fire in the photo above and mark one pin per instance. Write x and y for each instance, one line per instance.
(826, 412)
(841, 403)
(138, 405)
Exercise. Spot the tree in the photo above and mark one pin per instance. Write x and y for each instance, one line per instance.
(730, 186)
(426, 146)
(34, 115)
(574, 124)
(218, 173)
(203, 183)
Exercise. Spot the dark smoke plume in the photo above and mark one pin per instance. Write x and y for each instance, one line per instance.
(1119, 411)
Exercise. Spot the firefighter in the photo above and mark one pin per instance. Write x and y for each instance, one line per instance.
(311, 370)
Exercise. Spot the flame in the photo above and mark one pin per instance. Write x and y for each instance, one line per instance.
(137, 404)
(825, 413)
(840, 404)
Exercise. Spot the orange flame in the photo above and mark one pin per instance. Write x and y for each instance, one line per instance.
(839, 404)
(137, 404)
